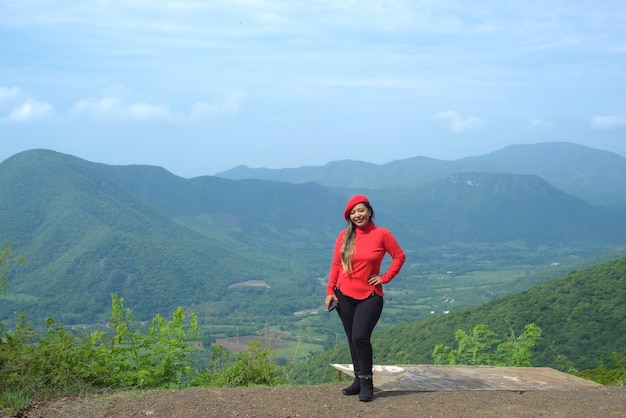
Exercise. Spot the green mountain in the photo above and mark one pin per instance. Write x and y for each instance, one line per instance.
(248, 253)
(354, 174)
(597, 176)
(86, 235)
(582, 316)
(483, 207)
(464, 207)
(277, 213)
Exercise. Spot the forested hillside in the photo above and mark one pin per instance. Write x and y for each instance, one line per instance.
(597, 176)
(582, 316)
(248, 255)
(278, 213)
(483, 207)
(85, 235)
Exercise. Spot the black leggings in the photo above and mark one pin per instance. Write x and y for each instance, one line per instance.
(359, 317)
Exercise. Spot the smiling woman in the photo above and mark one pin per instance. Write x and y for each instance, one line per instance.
(355, 285)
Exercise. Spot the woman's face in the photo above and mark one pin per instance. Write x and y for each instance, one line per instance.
(360, 215)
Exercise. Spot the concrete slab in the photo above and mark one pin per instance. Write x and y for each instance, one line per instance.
(430, 378)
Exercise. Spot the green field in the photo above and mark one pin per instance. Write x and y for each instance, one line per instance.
(423, 289)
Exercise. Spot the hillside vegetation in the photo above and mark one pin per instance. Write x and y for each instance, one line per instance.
(582, 317)
(248, 260)
(85, 235)
(250, 257)
(164, 354)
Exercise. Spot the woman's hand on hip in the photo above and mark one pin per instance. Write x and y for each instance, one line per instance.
(375, 280)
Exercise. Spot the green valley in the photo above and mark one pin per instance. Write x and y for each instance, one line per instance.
(250, 256)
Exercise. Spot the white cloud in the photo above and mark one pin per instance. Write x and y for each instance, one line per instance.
(458, 123)
(110, 108)
(350, 64)
(609, 123)
(117, 105)
(30, 110)
(21, 108)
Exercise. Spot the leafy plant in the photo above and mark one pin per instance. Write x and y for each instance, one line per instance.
(60, 363)
(254, 366)
(32, 367)
(157, 356)
(131, 358)
(482, 347)
(607, 376)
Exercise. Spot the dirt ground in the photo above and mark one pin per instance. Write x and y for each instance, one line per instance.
(328, 401)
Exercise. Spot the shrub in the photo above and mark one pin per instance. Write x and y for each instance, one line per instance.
(254, 366)
(483, 347)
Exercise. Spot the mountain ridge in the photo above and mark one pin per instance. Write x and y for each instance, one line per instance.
(91, 237)
(597, 176)
(482, 204)
(89, 229)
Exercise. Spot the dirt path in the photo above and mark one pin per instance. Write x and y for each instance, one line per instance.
(327, 401)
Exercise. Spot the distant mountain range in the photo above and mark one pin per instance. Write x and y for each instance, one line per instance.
(88, 230)
(597, 176)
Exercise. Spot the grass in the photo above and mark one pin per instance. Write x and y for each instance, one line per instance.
(295, 351)
(12, 401)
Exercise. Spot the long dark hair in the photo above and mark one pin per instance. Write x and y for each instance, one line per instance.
(349, 240)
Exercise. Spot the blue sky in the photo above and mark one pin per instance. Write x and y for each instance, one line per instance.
(199, 87)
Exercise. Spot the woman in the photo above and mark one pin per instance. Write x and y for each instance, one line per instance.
(355, 284)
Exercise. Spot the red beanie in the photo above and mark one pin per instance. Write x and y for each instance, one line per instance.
(359, 198)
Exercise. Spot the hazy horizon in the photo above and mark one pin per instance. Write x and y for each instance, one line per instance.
(202, 87)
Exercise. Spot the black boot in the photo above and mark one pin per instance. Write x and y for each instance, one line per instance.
(354, 388)
(366, 394)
